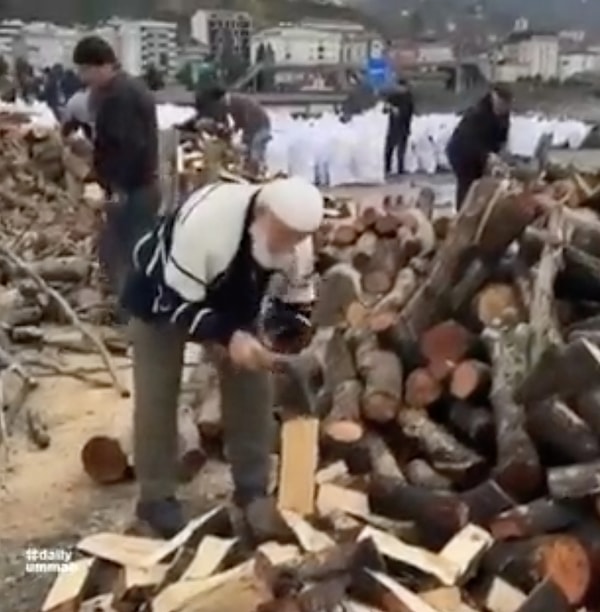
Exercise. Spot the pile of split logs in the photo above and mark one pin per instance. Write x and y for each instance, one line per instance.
(457, 374)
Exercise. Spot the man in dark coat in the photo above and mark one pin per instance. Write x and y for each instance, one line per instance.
(125, 153)
(478, 139)
(400, 109)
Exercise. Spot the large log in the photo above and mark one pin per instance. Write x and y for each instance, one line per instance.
(540, 517)
(445, 345)
(444, 452)
(517, 469)
(421, 474)
(489, 221)
(438, 514)
(339, 287)
(526, 563)
(587, 406)
(473, 425)
(381, 372)
(546, 596)
(574, 481)
(471, 380)
(422, 389)
(485, 501)
(560, 431)
(381, 272)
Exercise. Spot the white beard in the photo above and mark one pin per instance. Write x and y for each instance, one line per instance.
(262, 254)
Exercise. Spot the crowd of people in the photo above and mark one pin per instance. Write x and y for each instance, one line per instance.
(231, 268)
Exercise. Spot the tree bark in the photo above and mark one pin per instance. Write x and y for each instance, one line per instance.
(574, 481)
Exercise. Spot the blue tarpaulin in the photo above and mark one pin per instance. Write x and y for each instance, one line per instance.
(379, 72)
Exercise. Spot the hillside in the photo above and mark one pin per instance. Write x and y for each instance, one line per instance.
(90, 11)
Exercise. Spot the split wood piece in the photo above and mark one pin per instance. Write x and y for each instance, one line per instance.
(298, 464)
(209, 558)
(540, 517)
(422, 389)
(494, 300)
(420, 474)
(70, 314)
(336, 473)
(215, 522)
(542, 316)
(386, 594)
(526, 563)
(544, 597)
(473, 425)
(309, 538)
(561, 371)
(431, 564)
(381, 273)
(466, 550)
(68, 590)
(518, 469)
(587, 406)
(444, 599)
(511, 214)
(471, 380)
(486, 501)
(438, 514)
(381, 372)
(230, 591)
(501, 596)
(339, 288)
(271, 556)
(562, 432)
(574, 481)
(125, 550)
(445, 345)
(443, 451)
(135, 585)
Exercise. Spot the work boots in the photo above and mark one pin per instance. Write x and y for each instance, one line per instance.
(164, 517)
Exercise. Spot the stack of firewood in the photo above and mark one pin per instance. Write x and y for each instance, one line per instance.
(457, 377)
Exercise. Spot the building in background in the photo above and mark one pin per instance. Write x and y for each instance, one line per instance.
(533, 55)
(320, 42)
(10, 29)
(139, 44)
(578, 63)
(46, 44)
(218, 28)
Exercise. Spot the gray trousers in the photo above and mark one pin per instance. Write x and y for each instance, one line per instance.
(246, 411)
(129, 215)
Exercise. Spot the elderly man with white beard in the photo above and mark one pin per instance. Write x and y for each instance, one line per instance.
(203, 275)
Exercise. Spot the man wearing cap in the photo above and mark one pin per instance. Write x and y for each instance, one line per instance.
(479, 138)
(202, 275)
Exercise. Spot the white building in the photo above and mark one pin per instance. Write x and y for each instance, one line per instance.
(434, 53)
(45, 44)
(320, 42)
(10, 29)
(536, 54)
(138, 44)
(212, 28)
(572, 64)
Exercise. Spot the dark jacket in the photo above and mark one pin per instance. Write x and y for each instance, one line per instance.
(401, 108)
(479, 133)
(126, 139)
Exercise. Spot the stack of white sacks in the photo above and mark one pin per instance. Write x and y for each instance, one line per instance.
(328, 152)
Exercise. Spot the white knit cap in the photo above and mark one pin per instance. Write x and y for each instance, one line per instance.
(295, 202)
